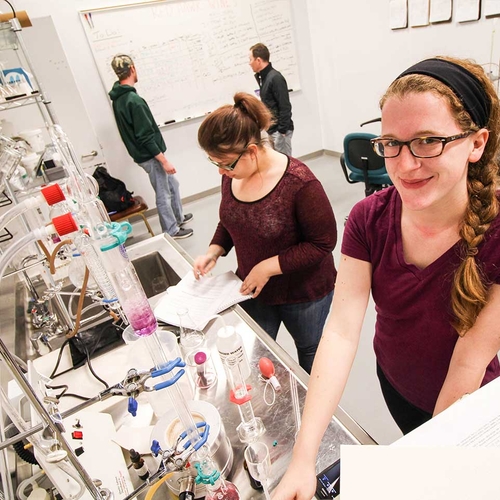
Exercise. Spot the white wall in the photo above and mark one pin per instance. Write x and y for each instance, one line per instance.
(194, 172)
(356, 56)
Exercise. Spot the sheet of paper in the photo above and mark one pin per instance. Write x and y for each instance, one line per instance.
(138, 438)
(430, 473)
(467, 10)
(418, 12)
(471, 421)
(491, 7)
(440, 11)
(203, 298)
(398, 14)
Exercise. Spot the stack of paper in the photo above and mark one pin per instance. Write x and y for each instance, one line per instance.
(203, 298)
(454, 455)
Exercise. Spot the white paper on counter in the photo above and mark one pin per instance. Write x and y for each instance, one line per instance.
(471, 421)
(418, 473)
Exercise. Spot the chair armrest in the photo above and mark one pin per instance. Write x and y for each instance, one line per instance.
(344, 169)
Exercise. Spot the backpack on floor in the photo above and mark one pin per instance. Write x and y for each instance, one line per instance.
(113, 192)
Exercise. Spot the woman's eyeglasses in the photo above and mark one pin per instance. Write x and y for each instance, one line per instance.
(232, 165)
(229, 167)
(420, 147)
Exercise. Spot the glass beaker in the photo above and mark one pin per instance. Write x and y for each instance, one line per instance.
(201, 366)
(195, 351)
(259, 464)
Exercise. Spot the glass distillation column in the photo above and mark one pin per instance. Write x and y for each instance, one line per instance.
(136, 307)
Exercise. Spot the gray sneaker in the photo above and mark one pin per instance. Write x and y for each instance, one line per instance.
(182, 233)
(187, 218)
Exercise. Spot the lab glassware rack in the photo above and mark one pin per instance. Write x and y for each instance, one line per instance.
(12, 374)
(13, 48)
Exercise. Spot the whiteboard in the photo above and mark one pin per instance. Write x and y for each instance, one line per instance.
(192, 55)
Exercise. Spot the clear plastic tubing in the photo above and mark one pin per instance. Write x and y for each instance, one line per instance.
(16, 246)
(15, 211)
(50, 194)
(62, 225)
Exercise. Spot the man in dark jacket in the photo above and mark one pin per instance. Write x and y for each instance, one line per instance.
(274, 94)
(146, 146)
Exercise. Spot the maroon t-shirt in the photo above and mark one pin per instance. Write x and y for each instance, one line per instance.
(414, 339)
(294, 221)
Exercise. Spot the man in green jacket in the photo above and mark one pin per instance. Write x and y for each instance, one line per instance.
(146, 146)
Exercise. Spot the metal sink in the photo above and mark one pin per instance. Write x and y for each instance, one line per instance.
(155, 273)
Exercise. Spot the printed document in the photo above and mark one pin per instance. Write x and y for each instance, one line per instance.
(453, 455)
(203, 298)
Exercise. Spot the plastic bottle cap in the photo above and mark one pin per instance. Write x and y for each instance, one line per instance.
(64, 224)
(200, 358)
(53, 194)
(226, 331)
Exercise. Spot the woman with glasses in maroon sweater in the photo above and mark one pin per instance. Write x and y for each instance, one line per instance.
(276, 215)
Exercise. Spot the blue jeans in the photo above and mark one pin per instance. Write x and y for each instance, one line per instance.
(304, 321)
(282, 143)
(168, 197)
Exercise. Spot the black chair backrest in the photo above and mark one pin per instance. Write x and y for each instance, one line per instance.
(362, 148)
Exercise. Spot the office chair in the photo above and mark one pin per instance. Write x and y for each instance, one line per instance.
(363, 163)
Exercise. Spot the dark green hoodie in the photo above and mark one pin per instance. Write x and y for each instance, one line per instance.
(136, 124)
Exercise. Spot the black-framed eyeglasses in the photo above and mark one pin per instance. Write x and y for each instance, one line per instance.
(420, 147)
(232, 165)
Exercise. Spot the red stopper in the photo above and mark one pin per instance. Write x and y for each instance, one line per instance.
(64, 224)
(53, 194)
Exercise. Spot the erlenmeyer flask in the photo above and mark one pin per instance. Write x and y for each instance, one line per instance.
(217, 487)
(190, 336)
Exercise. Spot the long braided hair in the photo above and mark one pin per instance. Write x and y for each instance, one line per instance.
(470, 289)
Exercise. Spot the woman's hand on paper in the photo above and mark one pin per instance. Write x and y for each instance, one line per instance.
(203, 264)
(259, 276)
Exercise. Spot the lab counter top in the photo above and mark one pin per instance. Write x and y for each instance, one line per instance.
(278, 419)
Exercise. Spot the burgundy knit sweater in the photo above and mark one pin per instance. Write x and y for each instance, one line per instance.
(294, 221)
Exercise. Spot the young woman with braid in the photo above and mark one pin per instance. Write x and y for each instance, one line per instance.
(428, 249)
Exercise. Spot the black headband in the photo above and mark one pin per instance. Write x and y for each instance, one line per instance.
(463, 83)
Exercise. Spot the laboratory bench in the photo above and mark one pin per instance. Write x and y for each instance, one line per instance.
(279, 418)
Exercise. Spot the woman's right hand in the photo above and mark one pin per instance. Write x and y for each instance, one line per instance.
(298, 483)
(203, 264)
